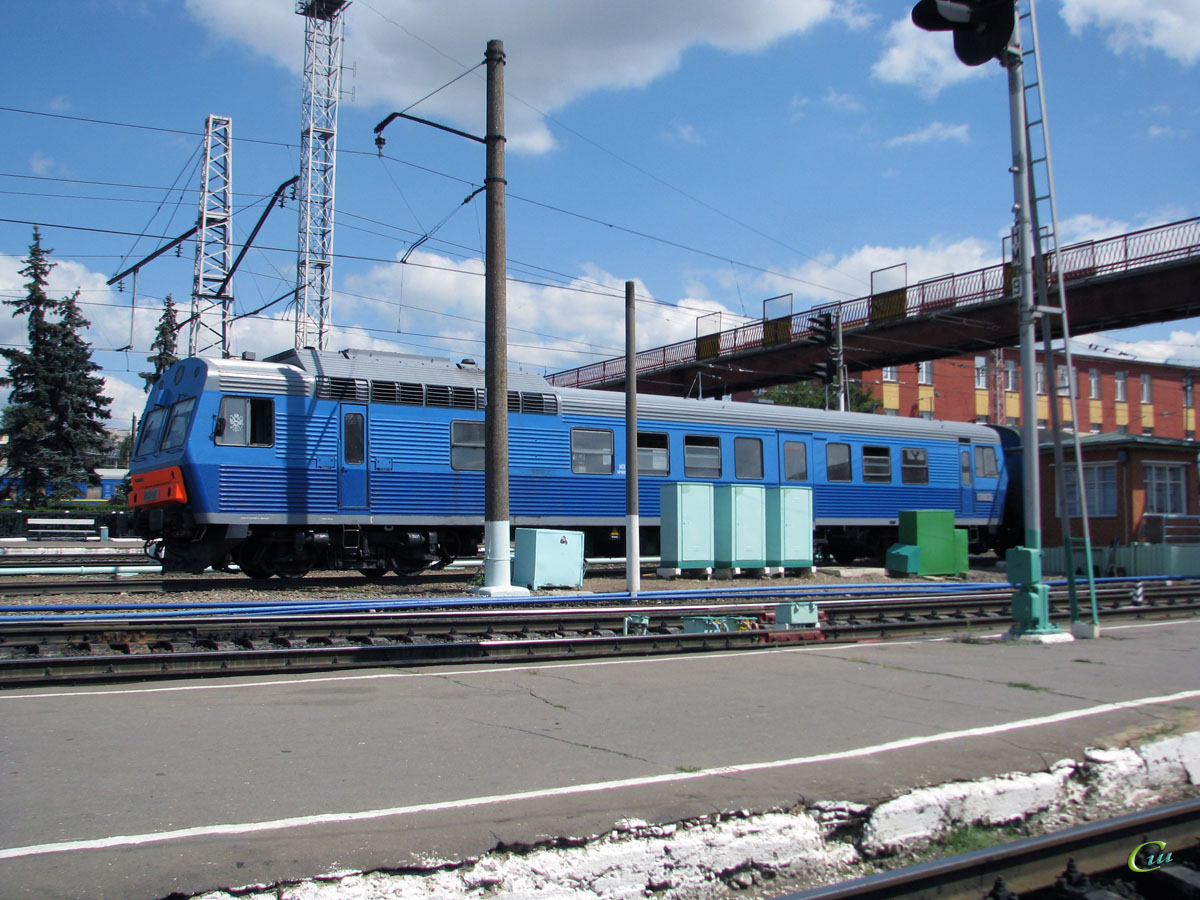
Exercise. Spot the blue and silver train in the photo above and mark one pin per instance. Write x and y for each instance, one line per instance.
(374, 461)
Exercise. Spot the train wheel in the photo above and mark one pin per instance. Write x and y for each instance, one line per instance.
(253, 570)
(373, 574)
(292, 571)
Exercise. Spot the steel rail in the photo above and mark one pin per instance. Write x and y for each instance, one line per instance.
(1029, 864)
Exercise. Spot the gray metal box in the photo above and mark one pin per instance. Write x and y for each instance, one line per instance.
(790, 527)
(686, 525)
(548, 557)
(739, 526)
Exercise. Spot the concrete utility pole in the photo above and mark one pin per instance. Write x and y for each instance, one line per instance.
(497, 555)
(633, 557)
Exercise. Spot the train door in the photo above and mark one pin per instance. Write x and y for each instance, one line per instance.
(352, 466)
(966, 487)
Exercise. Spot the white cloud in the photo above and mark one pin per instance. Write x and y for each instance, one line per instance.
(934, 132)
(556, 52)
(40, 163)
(844, 102)
(1169, 26)
(923, 60)
(683, 133)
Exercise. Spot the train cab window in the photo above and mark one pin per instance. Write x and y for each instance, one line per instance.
(985, 462)
(795, 461)
(151, 430)
(837, 463)
(877, 464)
(653, 454)
(177, 424)
(747, 458)
(466, 445)
(914, 465)
(591, 451)
(701, 456)
(353, 439)
(246, 422)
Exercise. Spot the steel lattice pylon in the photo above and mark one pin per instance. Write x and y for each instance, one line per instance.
(212, 302)
(323, 35)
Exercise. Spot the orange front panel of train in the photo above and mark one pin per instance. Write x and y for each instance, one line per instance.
(158, 488)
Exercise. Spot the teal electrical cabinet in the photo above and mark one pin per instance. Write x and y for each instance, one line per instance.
(789, 527)
(739, 526)
(548, 557)
(686, 525)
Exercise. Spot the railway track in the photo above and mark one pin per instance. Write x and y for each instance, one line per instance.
(1090, 862)
(120, 641)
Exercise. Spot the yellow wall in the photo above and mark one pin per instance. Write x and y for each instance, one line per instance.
(982, 403)
(1122, 410)
(924, 398)
(891, 395)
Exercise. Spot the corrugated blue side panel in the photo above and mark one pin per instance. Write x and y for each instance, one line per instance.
(543, 446)
(411, 443)
(300, 439)
(259, 489)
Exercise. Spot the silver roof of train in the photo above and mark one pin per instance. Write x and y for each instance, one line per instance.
(300, 371)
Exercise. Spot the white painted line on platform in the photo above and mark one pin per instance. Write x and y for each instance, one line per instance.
(525, 667)
(127, 840)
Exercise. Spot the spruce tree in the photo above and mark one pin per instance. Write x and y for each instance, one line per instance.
(165, 339)
(55, 418)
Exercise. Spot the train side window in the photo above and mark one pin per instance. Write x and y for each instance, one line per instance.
(966, 468)
(795, 461)
(837, 463)
(466, 445)
(985, 462)
(877, 464)
(246, 422)
(151, 430)
(653, 454)
(748, 458)
(701, 456)
(591, 451)
(353, 439)
(914, 465)
(177, 424)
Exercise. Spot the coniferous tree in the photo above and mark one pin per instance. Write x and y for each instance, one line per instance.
(55, 418)
(165, 339)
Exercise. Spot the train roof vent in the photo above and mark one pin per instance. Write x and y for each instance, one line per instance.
(533, 402)
(335, 388)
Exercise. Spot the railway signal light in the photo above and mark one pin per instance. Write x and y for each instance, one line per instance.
(823, 372)
(982, 28)
(823, 330)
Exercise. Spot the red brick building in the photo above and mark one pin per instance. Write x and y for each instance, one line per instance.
(1124, 396)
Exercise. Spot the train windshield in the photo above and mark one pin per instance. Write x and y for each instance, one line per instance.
(152, 427)
(177, 424)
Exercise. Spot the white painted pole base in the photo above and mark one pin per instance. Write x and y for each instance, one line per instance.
(497, 563)
(633, 560)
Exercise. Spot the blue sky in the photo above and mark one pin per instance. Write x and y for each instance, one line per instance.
(718, 154)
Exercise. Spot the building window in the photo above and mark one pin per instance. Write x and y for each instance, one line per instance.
(466, 445)
(1011, 381)
(1095, 428)
(877, 464)
(591, 451)
(747, 458)
(1147, 389)
(1063, 381)
(837, 462)
(1121, 393)
(1148, 430)
(1039, 380)
(653, 454)
(1094, 384)
(981, 375)
(891, 373)
(925, 372)
(701, 456)
(1164, 489)
(1100, 485)
(1188, 392)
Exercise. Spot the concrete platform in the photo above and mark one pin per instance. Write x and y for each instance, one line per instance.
(138, 791)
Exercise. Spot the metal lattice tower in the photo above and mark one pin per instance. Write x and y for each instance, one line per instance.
(212, 303)
(323, 36)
